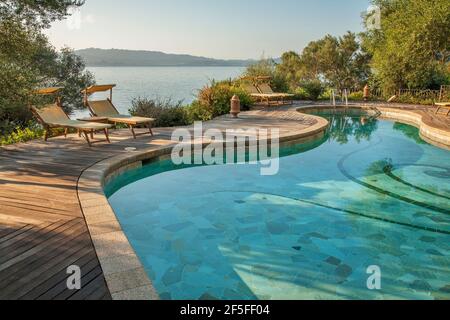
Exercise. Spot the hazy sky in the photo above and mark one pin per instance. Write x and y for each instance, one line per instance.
(212, 28)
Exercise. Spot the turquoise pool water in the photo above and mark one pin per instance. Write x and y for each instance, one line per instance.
(370, 193)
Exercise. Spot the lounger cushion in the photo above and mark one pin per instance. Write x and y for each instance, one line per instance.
(54, 116)
(251, 89)
(130, 120)
(266, 89)
(51, 113)
(104, 108)
(80, 125)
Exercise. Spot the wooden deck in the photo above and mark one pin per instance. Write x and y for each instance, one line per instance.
(42, 227)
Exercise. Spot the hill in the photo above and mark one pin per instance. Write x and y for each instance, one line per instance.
(130, 58)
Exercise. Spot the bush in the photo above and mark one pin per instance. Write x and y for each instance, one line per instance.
(301, 94)
(312, 88)
(31, 132)
(198, 112)
(214, 100)
(166, 112)
(356, 96)
(409, 99)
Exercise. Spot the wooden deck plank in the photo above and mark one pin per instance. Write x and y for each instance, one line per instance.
(22, 283)
(7, 232)
(56, 286)
(92, 281)
(38, 262)
(32, 245)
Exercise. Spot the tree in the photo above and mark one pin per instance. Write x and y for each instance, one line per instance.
(268, 68)
(70, 73)
(28, 61)
(38, 14)
(289, 67)
(23, 54)
(412, 48)
(340, 62)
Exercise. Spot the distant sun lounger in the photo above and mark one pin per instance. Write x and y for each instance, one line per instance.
(443, 105)
(52, 116)
(265, 94)
(266, 89)
(106, 109)
(255, 93)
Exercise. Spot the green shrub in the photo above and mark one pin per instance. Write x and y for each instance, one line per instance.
(301, 94)
(214, 100)
(198, 112)
(326, 95)
(410, 99)
(356, 96)
(166, 112)
(313, 89)
(31, 132)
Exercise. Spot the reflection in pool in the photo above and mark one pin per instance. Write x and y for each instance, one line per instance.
(370, 193)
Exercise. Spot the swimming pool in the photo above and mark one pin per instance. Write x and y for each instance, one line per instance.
(370, 193)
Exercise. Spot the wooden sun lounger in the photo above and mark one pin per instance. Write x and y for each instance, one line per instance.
(443, 105)
(266, 89)
(106, 109)
(265, 98)
(53, 116)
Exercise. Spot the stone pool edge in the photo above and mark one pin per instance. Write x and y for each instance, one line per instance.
(435, 136)
(124, 273)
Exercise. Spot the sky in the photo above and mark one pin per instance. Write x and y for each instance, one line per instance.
(223, 29)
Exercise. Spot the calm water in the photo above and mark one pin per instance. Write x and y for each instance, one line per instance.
(178, 83)
(371, 193)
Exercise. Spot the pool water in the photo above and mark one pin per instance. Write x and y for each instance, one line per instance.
(371, 193)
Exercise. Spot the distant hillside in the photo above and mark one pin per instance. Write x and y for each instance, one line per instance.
(129, 58)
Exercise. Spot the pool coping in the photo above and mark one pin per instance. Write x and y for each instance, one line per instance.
(125, 275)
(428, 132)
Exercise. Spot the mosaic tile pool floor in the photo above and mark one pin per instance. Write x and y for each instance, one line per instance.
(372, 193)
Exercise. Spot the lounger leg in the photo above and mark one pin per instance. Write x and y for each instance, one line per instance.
(46, 134)
(86, 135)
(149, 126)
(65, 132)
(107, 135)
(79, 133)
(132, 131)
(92, 134)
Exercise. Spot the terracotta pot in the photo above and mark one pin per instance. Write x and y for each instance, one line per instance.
(235, 106)
(366, 92)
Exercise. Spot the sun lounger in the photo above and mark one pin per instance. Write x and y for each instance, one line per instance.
(255, 93)
(106, 109)
(264, 88)
(443, 105)
(52, 116)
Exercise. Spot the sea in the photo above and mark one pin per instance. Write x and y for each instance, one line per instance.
(175, 83)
